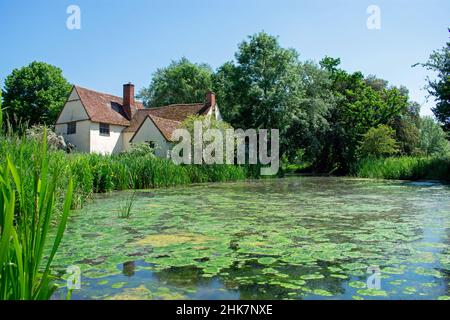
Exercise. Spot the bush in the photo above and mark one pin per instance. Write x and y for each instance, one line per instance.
(433, 140)
(140, 149)
(378, 142)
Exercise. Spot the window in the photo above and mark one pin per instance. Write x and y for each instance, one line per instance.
(71, 128)
(151, 144)
(104, 129)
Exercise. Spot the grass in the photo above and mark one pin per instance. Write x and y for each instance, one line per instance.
(296, 168)
(125, 210)
(405, 168)
(27, 204)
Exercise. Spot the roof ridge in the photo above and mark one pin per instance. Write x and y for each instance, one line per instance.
(153, 116)
(176, 104)
(103, 93)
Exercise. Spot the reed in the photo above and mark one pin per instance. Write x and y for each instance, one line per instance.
(27, 204)
(93, 173)
(405, 168)
(125, 210)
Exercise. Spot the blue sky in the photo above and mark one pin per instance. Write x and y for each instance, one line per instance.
(122, 41)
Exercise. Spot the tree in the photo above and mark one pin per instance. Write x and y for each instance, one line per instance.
(35, 94)
(322, 110)
(361, 103)
(440, 87)
(378, 142)
(407, 129)
(264, 84)
(309, 122)
(226, 84)
(181, 82)
(433, 140)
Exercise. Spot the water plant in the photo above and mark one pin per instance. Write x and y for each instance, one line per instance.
(312, 237)
(125, 210)
(27, 204)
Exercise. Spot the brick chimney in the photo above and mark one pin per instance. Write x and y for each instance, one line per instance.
(211, 99)
(128, 100)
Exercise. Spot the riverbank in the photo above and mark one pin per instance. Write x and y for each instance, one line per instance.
(405, 168)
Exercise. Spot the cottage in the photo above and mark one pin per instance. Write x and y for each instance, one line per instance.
(101, 123)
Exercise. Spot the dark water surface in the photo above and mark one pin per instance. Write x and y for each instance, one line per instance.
(292, 238)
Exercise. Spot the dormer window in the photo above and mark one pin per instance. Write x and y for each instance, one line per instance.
(104, 129)
(116, 107)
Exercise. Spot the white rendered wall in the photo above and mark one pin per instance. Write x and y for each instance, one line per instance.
(81, 139)
(103, 144)
(149, 132)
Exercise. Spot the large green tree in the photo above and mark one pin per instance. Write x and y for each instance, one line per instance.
(262, 88)
(309, 122)
(440, 87)
(407, 129)
(35, 94)
(181, 82)
(361, 104)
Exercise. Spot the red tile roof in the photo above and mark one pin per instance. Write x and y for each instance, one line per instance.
(105, 108)
(165, 126)
(167, 118)
(179, 112)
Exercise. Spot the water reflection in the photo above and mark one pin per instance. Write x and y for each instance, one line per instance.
(129, 268)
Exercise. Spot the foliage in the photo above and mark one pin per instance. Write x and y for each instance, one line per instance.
(181, 82)
(407, 168)
(321, 109)
(433, 140)
(207, 122)
(1, 114)
(407, 129)
(361, 103)
(264, 82)
(141, 149)
(309, 123)
(35, 94)
(27, 204)
(439, 62)
(378, 142)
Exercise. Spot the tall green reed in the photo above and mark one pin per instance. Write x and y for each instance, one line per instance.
(27, 203)
(405, 168)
